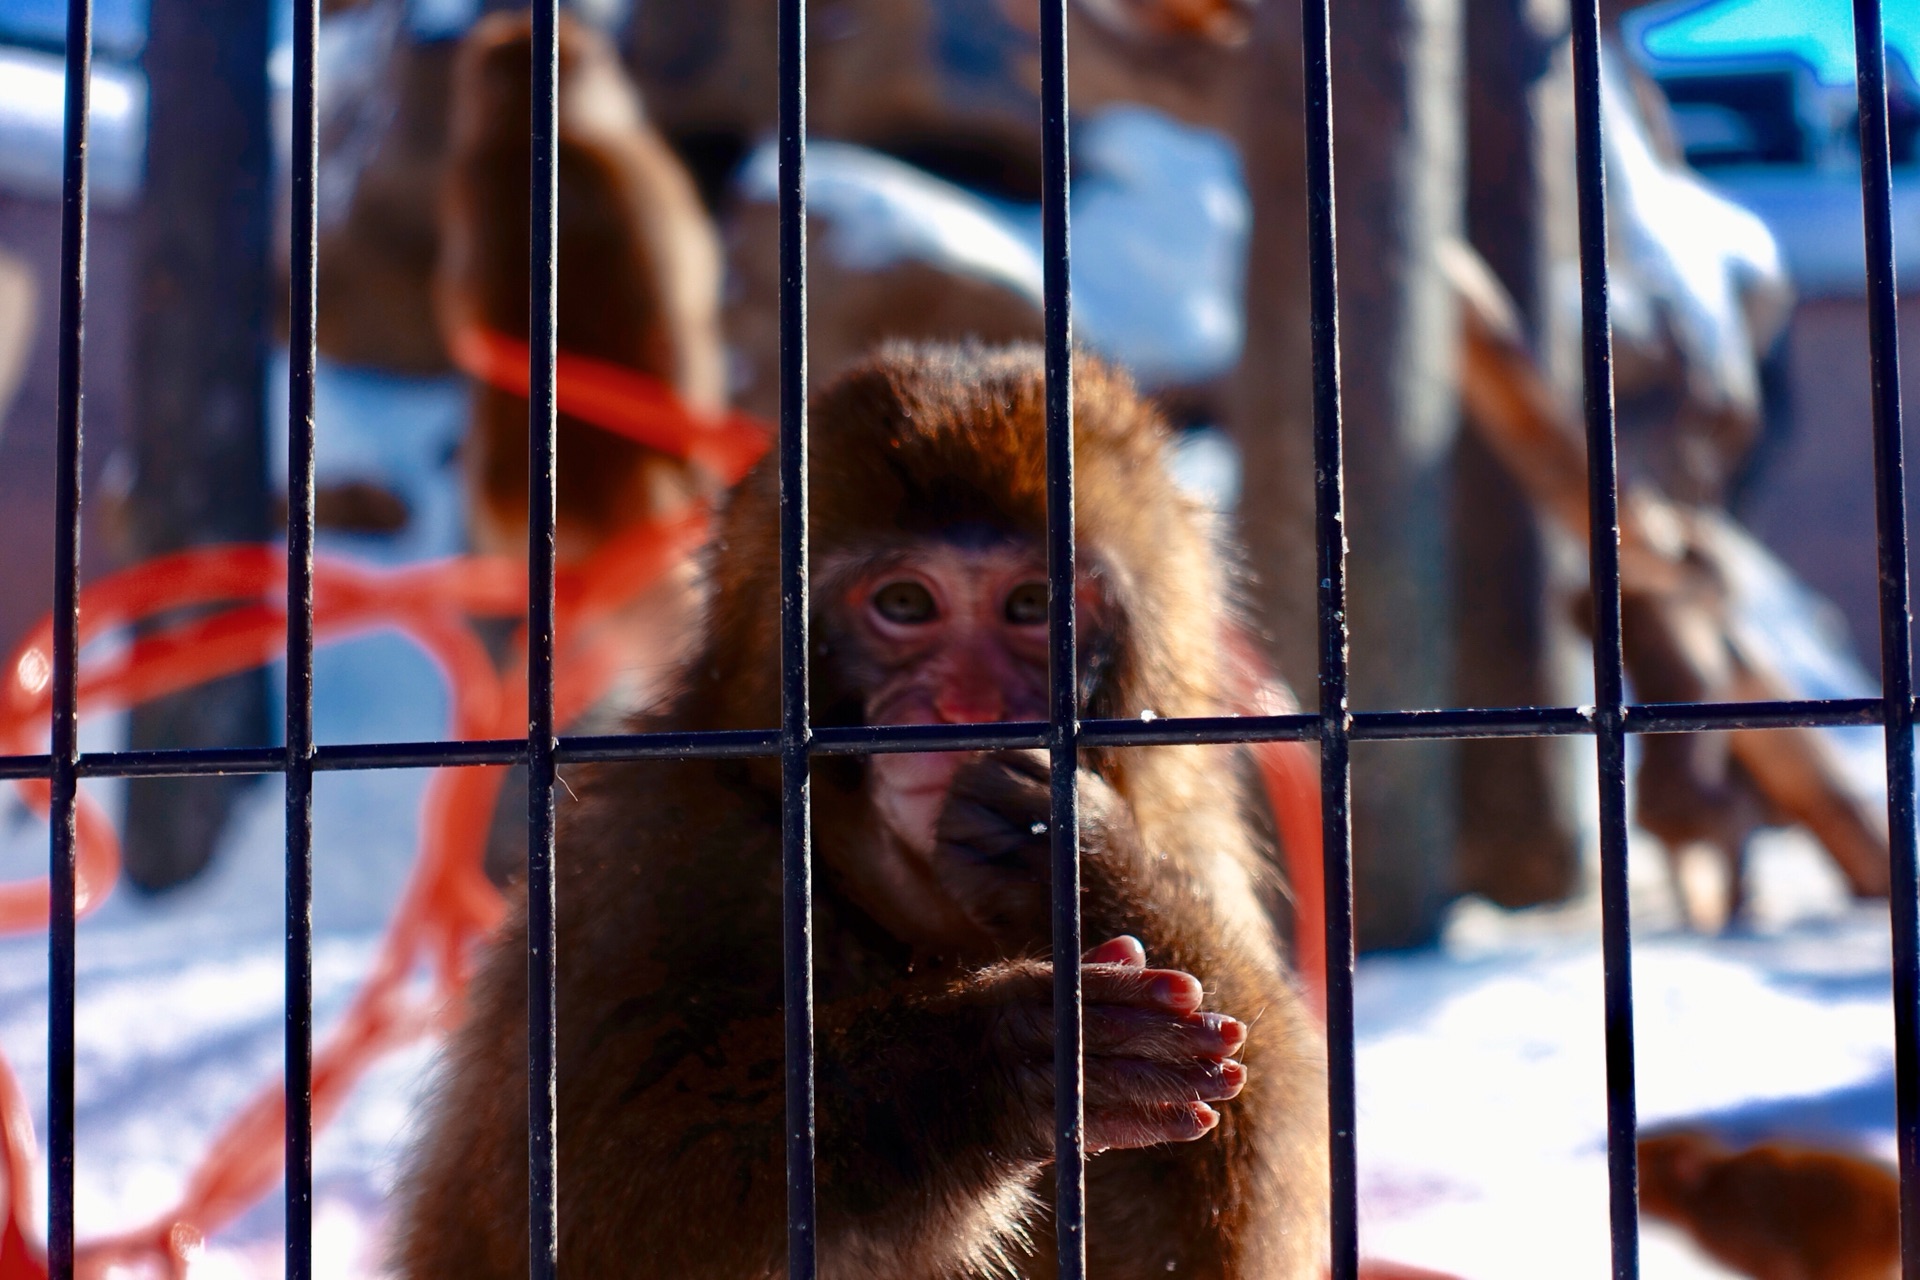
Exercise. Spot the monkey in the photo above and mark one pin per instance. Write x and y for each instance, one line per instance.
(1776, 1211)
(638, 287)
(1693, 794)
(1205, 1075)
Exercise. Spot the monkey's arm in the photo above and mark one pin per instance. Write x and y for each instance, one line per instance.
(935, 1110)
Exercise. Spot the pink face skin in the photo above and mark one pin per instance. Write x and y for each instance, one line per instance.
(957, 635)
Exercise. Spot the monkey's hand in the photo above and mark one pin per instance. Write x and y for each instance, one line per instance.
(1154, 1060)
(993, 848)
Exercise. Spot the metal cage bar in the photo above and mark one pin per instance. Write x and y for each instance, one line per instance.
(304, 167)
(65, 737)
(1372, 726)
(542, 1023)
(1334, 721)
(796, 731)
(1609, 678)
(1896, 618)
(1063, 684)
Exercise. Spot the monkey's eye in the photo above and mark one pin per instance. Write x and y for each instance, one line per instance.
(906, 603)
(1027, 605)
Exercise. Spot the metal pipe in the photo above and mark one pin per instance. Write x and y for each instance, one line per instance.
(1896, 603)
(1335, 723)
(796, 733)
(542, 1007)
(298, 758)
(65, 742)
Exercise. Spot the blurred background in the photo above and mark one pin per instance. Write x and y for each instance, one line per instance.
(1762, 969)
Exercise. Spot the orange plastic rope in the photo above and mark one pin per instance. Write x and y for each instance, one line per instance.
(618, 399)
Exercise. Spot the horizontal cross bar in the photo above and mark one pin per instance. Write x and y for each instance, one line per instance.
(1378, 726)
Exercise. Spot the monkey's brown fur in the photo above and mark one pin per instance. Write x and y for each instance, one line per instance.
(671, 1099)
(638, 276)
(1775, 1211)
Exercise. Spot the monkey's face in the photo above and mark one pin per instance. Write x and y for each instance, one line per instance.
(936, 632)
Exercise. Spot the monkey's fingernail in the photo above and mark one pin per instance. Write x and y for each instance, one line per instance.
(1208, 1118)
(1123, 950)
(1232, 1031)
(1177, 991)
(1233, 1074)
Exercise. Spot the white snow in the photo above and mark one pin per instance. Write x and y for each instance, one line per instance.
(33, 127)
(1482, 1086)
(1160, 222)
(1690, 265)
(880, 211)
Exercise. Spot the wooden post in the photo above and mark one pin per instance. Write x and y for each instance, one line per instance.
(1397, 122)
(1272, 418)
(1518, 844)
(199, 381)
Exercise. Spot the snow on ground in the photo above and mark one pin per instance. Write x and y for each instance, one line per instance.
(1482, 1096)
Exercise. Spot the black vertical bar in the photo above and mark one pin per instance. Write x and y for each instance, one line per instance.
(542, 1027)
(304, 165)
(796, 731)
(1063, 728)
(1896, 611)
(66, 643)
(1609, 682)
(1330, 547)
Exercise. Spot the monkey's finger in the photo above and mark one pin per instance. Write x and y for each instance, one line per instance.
(1123, 950)
(1129, 1127)
(1031, 764)
(1130, 1082)
(1167, 989)
(1011, 785)
(1006, 774)
(1027, 1020)
(1122, 1032)
(989, 831)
